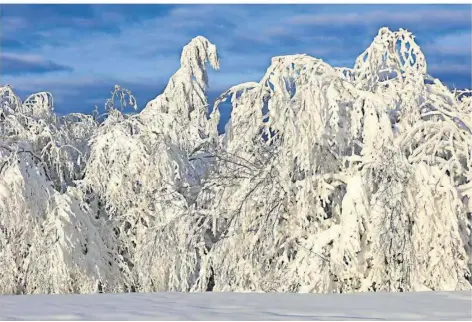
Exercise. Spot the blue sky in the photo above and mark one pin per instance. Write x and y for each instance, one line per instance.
(79, 52)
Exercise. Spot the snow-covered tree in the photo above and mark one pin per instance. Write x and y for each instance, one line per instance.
(329, 189)
(49, 240)
(140, 169)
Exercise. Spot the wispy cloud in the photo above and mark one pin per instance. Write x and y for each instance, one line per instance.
(424, 18)
(456, 44)
(19, 64)
(13, 24)
(450, 68)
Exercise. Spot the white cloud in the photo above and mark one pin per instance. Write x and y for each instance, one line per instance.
(423, 17)
(13, 24)
(451, 68)
(459, 44)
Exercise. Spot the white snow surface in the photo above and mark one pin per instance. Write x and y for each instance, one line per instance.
(240, 306)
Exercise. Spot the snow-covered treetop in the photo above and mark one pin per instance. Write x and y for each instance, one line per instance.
(194, 57)
(184, 97)
(392, 55)
(39, 105)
